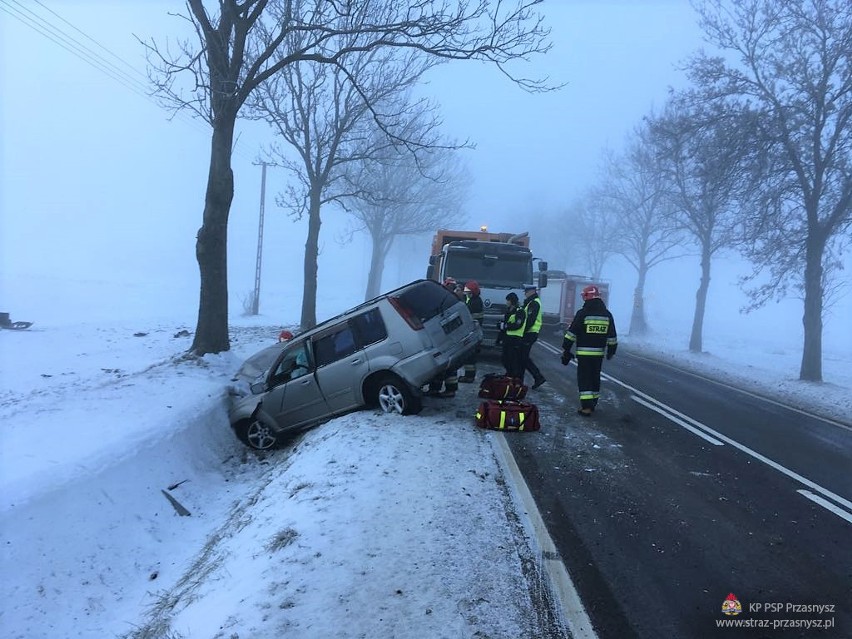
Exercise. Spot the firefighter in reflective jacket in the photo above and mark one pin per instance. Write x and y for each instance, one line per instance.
(593, 330)
(532, 308)
(474, 305)
(511, 334)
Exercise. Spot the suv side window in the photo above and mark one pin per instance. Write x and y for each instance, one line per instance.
(335, 345)
(370, 327)
(295, 363)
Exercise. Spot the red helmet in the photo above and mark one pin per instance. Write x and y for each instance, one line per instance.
(591, 292)
(285, 336)
(471, 287)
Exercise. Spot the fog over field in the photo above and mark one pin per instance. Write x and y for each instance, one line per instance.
(100, 186)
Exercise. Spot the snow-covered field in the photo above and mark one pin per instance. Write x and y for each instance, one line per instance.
(130, 509)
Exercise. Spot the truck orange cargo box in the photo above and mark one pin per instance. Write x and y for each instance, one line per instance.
(444, 236)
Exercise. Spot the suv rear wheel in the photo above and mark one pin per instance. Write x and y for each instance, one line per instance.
(394, 396)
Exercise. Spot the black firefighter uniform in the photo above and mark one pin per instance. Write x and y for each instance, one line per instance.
(593, 331)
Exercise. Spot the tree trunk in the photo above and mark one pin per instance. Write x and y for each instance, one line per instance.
(377, 267)
(696, 337)
(211, 245)
(638, 325)
(309, 297)
(811, 369)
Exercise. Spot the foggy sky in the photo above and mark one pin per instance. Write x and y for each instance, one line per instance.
(98, 185)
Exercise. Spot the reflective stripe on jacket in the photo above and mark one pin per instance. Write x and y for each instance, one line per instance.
(593, 330)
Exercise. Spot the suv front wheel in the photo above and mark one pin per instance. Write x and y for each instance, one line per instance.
(256, 434)
(394, 396)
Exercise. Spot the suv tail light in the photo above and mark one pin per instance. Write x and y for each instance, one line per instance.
(407, 314)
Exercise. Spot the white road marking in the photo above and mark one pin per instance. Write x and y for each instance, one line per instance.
(826, 504)
(753, 453)
(827, 420)
(676, 420)
(837, 499)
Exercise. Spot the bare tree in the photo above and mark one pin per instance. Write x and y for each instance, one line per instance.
(323, 114)
(789, 68)
(700, 153)
(405, 194)
(578, 237)
(239, 45)
(644, 230)
(591, 233)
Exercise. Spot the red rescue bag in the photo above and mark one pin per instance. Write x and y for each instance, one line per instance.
(507, 415)
(494, 386)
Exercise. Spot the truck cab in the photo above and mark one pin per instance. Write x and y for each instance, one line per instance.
(499, 267)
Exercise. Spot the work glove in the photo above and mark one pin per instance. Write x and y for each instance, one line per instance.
(567, 356)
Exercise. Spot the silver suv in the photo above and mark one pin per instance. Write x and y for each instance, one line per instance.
(377, 354)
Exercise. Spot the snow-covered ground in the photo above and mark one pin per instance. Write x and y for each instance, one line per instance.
(128, 508)
(367, 526)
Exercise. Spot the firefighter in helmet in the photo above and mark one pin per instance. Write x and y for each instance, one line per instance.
(453, 287)
(593, 331)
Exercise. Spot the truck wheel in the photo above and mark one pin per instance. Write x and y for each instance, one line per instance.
(255, 434)
(394, 396)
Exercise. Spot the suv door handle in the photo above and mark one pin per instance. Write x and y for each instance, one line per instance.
(355, 362)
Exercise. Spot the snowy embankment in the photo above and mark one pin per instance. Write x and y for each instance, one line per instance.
(130, 509)
(99, 425)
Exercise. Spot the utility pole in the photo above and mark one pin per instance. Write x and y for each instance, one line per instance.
(255, 304)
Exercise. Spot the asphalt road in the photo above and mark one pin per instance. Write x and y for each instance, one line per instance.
(681, 490)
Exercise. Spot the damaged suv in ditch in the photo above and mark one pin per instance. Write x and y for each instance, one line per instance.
(378, 354)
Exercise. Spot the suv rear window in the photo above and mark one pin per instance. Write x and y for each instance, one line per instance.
(427, 299)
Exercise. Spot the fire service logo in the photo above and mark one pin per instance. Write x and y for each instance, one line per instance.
(732, 606)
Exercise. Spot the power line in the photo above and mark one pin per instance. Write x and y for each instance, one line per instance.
(87, 36)
(68, 43)
(95, 60)
(46, 27)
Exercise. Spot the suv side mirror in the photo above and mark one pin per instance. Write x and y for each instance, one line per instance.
(258, 387)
